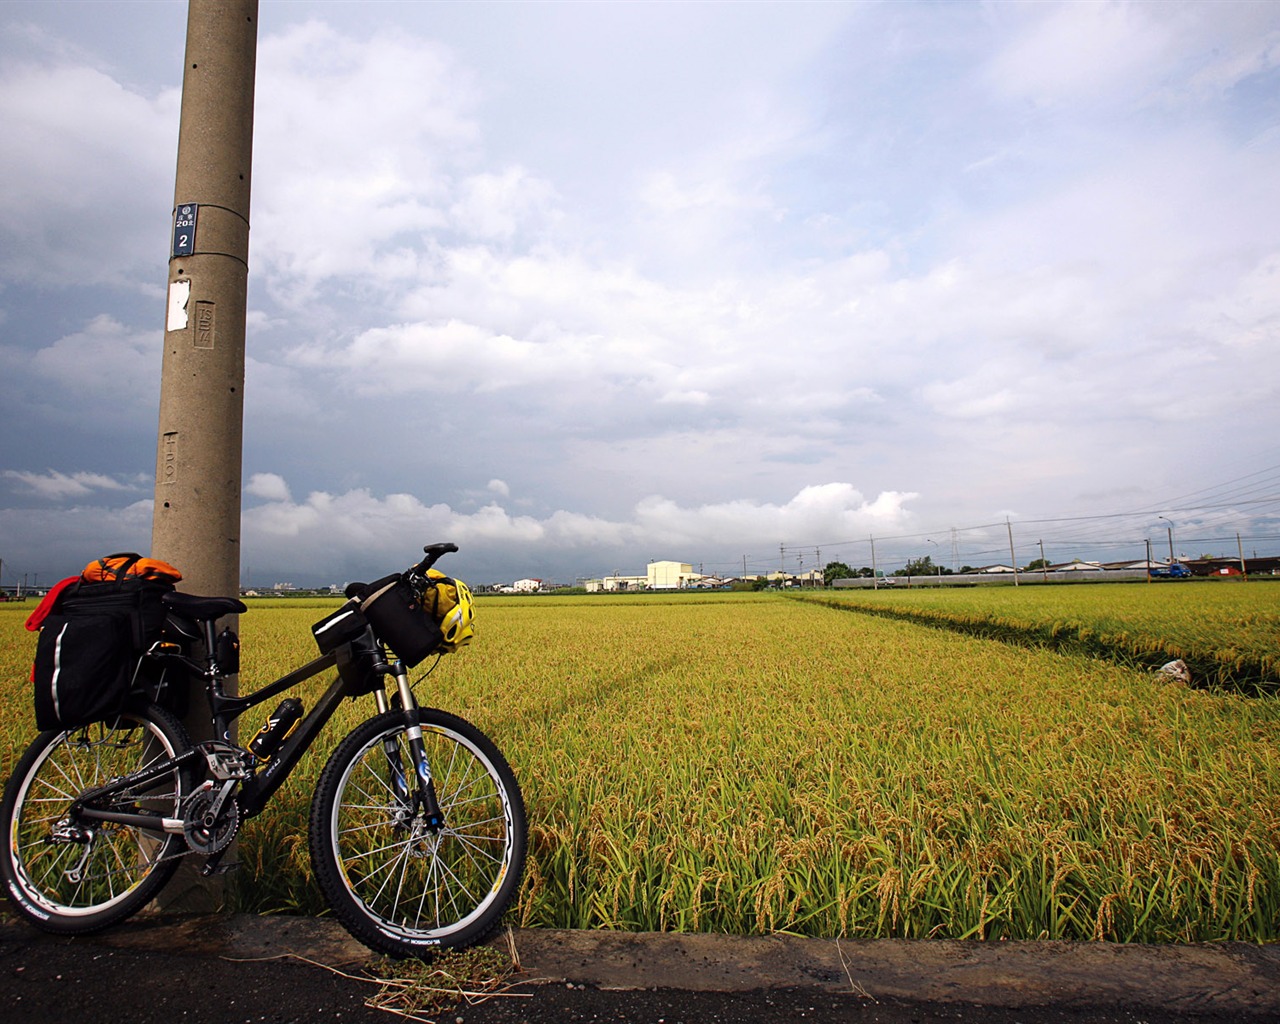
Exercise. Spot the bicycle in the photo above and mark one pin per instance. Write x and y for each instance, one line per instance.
(417, 829)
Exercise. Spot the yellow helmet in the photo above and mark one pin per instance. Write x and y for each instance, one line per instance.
(454, 609)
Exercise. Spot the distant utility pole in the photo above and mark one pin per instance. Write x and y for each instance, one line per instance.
(1012, 557)
(196, 521)
(1170, 529)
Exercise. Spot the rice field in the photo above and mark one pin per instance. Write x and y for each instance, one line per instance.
(751, 764)
(1228, 632)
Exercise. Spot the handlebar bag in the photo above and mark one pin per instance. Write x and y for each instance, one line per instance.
(394, 609)
(339, 628)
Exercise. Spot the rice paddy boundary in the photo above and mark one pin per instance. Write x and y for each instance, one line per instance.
(1228, 670)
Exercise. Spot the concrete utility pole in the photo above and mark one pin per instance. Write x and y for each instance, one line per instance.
(196, 522)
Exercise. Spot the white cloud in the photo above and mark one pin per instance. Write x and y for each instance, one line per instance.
(497, 206)
(100, 378)
(1246, 316)
(1082, 51)
(56, 543)
(268, 487)
(1231, 50)
(58, 486)
(106, 362)
(72, 136)
(672, 197)
(833, 511)
(384, 529)
(356, 142)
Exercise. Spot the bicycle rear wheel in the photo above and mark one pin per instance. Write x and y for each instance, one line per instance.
(398, 885)
(71, 877)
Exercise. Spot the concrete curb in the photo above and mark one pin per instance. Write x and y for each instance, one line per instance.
(1211, 977)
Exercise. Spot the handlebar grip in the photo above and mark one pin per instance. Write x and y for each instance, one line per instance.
(433, 553)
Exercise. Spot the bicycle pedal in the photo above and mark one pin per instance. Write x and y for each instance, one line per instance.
(218, 869)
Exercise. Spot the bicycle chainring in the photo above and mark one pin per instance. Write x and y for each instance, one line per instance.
(208, 837)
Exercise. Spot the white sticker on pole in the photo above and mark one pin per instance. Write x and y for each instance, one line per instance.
(179, 295)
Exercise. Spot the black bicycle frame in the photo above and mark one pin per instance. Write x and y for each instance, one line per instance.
(258, 788)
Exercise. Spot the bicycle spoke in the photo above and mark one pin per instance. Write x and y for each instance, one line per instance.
(395, 879)
(96, 870)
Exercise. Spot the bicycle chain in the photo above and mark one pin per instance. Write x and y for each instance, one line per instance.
(184, 849)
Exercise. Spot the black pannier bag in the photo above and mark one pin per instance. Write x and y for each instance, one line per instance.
(89, 647)
(82, 670)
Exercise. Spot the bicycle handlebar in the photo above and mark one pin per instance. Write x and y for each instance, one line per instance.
(434, 553)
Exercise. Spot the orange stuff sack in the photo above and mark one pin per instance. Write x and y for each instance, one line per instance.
(129, 566)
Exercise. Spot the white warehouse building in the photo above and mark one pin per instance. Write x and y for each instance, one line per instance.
(660, 576)
(671, 575)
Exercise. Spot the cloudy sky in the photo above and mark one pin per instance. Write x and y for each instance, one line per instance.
(580, 285)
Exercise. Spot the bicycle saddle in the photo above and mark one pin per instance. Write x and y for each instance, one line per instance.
(190, 606)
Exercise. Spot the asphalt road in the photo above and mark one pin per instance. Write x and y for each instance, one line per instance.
(220, 970)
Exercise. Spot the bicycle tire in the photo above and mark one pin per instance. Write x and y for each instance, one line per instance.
(397, 886)
(76, 886)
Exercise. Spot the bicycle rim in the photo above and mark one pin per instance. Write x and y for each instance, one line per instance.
(105, 873)
(418, 886)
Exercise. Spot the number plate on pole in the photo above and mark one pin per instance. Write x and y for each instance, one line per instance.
(184, 229)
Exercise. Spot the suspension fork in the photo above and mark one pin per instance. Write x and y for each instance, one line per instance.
(395, 763)
(425, 795)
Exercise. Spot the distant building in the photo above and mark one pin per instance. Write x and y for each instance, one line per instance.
(614, 583)
(671, 575)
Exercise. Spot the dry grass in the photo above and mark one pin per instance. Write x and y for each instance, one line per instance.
(423, 990)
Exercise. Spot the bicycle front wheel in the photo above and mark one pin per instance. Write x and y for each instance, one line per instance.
(400, 883)
(70, 877)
